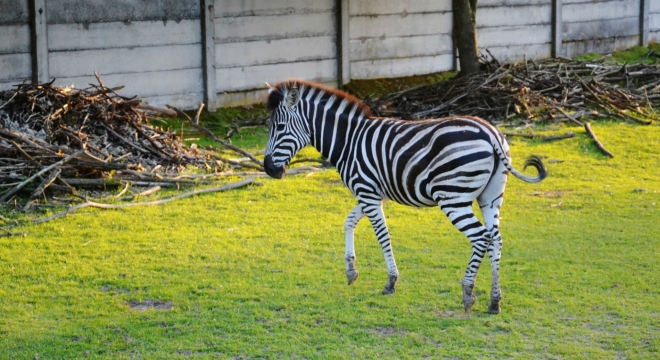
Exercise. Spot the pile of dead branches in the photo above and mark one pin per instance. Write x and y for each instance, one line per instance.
(530, 91)
(61, 140)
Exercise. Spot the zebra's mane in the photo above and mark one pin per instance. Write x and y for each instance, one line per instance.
(276, 96)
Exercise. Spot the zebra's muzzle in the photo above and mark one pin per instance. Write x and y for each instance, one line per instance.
(272, 170)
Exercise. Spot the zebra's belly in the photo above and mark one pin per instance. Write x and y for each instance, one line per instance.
(428, 187)
(423, 201)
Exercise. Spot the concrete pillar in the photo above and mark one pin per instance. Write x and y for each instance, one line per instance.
(207, 15)
(644, 8)
(39, 41)
(343, 43)
(556, 28)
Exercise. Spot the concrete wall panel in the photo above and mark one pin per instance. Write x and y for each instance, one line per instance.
(254, 77)
(264, 52)
(599, 11)
(96, 11)
(372, 69)
(21, 70)
(14, 39)
(602, 26)
(124, 60)
(397, 25)
(259, 41)
(398, 47)
(15, 58)
(14, 12)
(270, 27)
(118, 35)
(399, 38)
(234, 8)
(512, 30)
(144, 84)
(389, 7)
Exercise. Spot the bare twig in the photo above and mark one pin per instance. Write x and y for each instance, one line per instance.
(128, 184)
(569, 116)
(40, 189)
(147, 203)
(166, 112)
(13, 191)
(210, 134)
(599, 145)
(544, 138)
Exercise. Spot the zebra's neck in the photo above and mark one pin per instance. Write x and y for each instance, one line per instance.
(331, 121)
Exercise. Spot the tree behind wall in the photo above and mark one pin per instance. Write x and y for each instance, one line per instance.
(465, 34)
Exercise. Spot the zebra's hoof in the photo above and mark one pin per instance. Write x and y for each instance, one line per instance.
(468, 297)
(352, 275)
(390, 287)
(494, 307)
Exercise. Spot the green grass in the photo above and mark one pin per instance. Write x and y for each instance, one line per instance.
(220, 122)
(374, 88)
(634, 55)
(259, 272)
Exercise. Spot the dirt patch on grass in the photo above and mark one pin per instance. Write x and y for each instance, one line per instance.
(149, 304)
(115, 290)
(388, 331)
(452, 314)
(551, 193)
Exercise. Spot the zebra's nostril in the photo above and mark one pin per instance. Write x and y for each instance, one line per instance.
(271, 169)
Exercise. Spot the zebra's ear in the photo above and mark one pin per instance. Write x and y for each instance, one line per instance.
(271, 88)
(292, 97)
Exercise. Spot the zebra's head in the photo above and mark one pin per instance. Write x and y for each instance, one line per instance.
(288, 130)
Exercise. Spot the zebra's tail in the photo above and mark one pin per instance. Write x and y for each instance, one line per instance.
(534, 161)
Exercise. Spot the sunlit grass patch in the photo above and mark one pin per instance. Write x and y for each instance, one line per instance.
(259, 272)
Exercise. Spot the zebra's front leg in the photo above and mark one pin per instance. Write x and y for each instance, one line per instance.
(349, 227)
(374, 211)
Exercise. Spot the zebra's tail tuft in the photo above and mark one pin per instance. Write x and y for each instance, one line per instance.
(535, 162)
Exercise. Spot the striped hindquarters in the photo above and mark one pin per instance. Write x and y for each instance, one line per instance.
(416, 163)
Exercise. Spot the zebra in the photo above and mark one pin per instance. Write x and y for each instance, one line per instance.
(446, 162)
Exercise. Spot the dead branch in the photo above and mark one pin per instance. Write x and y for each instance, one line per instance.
(13, 191)
(599, 145)
(544, 138)
(569, 116)
(522, 93)
(40, 189)
(41, 124)
(215, 138)
(147, 203)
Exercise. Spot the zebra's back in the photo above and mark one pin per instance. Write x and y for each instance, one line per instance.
(419, 162)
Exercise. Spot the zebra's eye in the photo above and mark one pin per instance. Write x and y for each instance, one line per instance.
(280, 127)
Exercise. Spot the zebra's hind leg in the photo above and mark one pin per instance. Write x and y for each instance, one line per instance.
(490, 202)
(349, 227)
(461, 215)
(374, 211)
(491, 217)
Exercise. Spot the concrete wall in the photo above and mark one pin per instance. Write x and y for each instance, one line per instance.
(258, 41)
(513, 29)
(654, 21)
(152, 48)
(599, 26)
(182, 52)
(399, 38)
(15, 59)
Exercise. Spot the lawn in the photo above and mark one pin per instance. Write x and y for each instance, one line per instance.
(259, 272)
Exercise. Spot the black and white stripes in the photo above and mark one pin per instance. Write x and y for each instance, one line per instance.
(445, 162)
